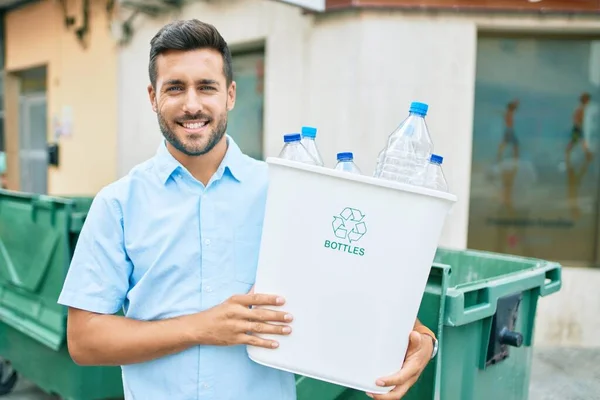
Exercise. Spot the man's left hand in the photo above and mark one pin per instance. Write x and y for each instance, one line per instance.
(420, 348)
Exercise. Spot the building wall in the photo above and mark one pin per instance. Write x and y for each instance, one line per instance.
(83, 79)
(353, 75)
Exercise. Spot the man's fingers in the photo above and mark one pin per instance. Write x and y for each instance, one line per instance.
(409, 370)
(257, 299)
(397, 393)
(261, 327)
(411, 367)
(259, 342)
(261, 314)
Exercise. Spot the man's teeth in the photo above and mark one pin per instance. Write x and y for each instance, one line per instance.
(195, 125)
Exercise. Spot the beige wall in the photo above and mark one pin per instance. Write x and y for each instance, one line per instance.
(84, 79)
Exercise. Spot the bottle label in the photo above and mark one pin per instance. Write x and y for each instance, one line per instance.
(358, 251)
(348, 226)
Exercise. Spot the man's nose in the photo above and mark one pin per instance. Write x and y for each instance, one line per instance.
(192, 103)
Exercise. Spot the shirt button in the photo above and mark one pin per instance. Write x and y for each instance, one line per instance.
(205, 386)
(208, 289)
(207, 242)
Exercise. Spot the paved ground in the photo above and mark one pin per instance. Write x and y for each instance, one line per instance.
(27, 391)
(557, 374)
(565, 374)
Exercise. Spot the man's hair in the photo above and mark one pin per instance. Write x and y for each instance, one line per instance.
(189, 35)
(585, 96)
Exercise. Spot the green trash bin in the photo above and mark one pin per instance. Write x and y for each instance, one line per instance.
(482, 308)
(37, 239)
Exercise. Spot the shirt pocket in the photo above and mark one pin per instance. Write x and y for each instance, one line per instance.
(246, 250)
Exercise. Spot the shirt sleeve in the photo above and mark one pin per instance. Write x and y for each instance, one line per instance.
(98, 277)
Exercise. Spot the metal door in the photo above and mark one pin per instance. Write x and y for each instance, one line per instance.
(33, 153)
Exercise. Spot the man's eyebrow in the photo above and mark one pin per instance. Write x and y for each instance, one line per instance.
(198, 82)
(174, 82)
(207, 82)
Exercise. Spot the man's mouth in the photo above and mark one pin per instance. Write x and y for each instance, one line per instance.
(194, 125)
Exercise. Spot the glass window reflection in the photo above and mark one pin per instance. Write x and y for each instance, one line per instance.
(536, 143)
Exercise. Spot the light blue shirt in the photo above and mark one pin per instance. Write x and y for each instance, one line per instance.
(158, 244)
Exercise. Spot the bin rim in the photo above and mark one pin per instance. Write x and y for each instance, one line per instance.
(362, 179)
(27, 195)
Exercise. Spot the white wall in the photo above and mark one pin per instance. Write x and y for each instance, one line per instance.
(364, 72)
(353, 75)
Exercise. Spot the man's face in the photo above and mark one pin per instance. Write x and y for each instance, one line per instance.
(191, 99)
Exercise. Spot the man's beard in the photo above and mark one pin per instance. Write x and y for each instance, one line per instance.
(215, 135)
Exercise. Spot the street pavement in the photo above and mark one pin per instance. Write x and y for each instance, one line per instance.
(557, 374)
(565, 374)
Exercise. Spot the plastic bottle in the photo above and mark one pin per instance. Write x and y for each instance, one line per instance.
(294, 150)
(309, 135)
(380, 158)
(435, 179)
(345, 162)
(408, 150)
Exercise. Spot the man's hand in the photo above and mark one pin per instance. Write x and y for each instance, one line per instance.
(419, 352)
(231, 322)
(92, 341)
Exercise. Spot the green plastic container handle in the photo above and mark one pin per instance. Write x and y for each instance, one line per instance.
(460, 312)
(552, 282)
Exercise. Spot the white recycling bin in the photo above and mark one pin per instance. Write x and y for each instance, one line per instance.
(351, 254)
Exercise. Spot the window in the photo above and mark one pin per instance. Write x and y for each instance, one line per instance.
(536, 148)
(245, 123)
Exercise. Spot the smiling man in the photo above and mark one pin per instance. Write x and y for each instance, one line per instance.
(175, 245)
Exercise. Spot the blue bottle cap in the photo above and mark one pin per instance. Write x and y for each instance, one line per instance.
(419, 108)
(346, 156)
(309, 131)
(291, 137)
(437, 159)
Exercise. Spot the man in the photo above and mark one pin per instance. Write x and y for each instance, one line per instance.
(509, 131)
(577, 130)
(175, 243)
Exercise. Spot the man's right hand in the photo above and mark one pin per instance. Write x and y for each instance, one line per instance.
(92, 341)
(233, 321)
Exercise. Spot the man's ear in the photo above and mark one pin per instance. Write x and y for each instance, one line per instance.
(231, 93)
(152, 96)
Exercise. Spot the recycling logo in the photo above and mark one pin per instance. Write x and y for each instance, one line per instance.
(349, 225)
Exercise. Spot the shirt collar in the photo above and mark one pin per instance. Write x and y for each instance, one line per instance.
(233, 162)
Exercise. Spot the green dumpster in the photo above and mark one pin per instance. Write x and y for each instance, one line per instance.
(482, 308)
(37, 239)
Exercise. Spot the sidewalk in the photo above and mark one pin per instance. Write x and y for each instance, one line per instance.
(557, 374)
(565, 374)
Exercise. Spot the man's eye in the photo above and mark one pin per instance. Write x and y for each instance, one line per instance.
(174, 88)
(207, 88)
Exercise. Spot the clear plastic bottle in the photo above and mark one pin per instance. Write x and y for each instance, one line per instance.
(380, 158)
(294, 150)
(435, 179)
(345, 162)
(408, 150)
(309, 135)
